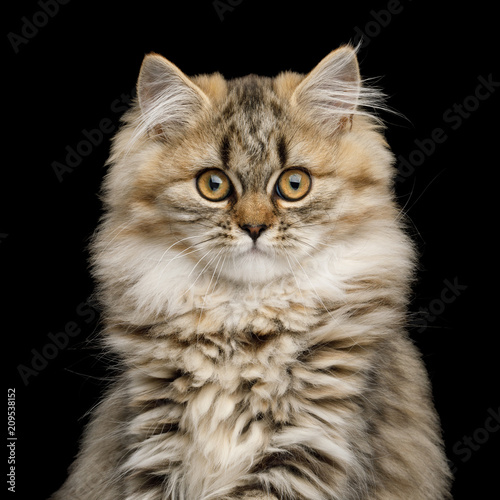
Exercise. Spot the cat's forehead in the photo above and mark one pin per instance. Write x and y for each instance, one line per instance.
(251, 127)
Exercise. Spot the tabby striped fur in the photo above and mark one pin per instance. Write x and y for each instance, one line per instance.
(278, 373)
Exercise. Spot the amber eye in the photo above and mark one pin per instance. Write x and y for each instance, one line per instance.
(293, 184)
(213, 185)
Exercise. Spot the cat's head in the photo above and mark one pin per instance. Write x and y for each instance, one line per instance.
(248, 179)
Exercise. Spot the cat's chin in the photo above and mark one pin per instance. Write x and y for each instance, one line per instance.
(254, 266)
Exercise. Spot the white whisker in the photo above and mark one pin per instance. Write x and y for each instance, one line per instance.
(184, 253)
(220, 271)
(201, 272)
(208, 287)
(295, 277)
(175, 243)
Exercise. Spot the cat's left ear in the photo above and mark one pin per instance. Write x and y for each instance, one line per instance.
(168, 99)
(329, 94)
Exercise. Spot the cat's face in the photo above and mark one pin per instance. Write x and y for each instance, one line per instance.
(243, 189)
(249, 179)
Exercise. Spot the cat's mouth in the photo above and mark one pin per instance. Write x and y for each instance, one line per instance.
(252, 255)
(253, 252)
(256, 248)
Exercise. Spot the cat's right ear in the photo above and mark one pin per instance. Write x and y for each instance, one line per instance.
(168, 99)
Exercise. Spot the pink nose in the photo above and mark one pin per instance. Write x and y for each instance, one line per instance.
(254, 230)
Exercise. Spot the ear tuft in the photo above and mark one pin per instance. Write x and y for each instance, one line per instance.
(332, 92)
(168, 99)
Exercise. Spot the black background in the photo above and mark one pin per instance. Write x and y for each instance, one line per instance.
(84, 59)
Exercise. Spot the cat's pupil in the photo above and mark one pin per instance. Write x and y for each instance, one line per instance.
(294, 181)
(215, 182)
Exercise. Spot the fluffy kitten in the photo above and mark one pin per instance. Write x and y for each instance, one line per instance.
(254, 275)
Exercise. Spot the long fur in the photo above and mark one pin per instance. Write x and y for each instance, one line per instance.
(274, 369)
